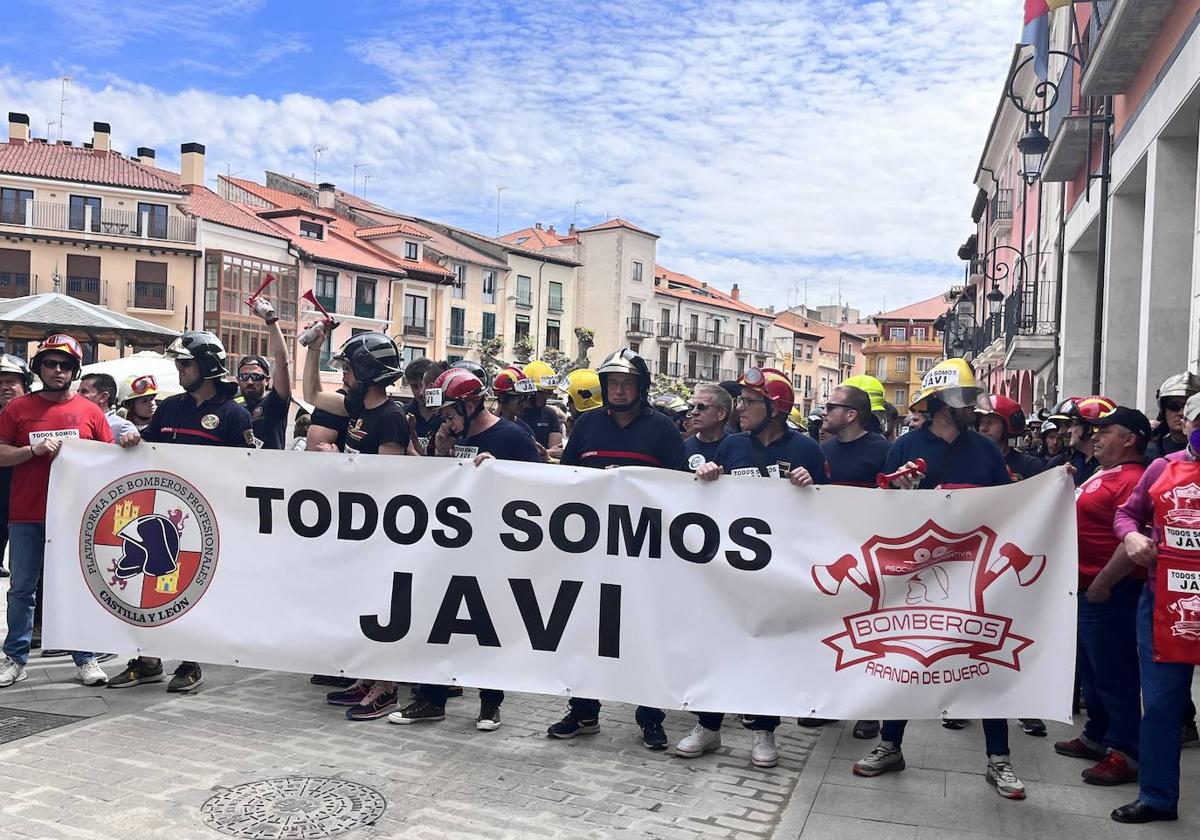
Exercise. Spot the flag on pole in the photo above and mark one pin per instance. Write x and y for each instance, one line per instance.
(1037, 32)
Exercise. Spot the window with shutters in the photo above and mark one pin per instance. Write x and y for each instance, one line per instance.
(83, 277)
(150, 290)
(14, 273)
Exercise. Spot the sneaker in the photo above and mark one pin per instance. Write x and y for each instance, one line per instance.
(331, 681)
(570, 726)
(954, 723)
(654, 737)
(1191, 738)
(885, 758)
(1079, 748)
(866, 730)
(351, 696)
(1000, 775)
(1113, 769)
(90, 673)
(489, 717)
(1034, 726)
(4, 572)
(137, 672)
(379, 702)
(763, 753)
(54, 653)
(187, 677)
(11, 672)
(418, 711)
(697, 742)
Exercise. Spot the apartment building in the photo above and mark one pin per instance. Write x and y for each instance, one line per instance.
(89, 222)
(905, 345)
(815, 355)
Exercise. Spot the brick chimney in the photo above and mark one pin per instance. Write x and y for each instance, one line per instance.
(191, 165)
(571, 230)
(145, 156)
(735, 293)
(552, 230)
(326, 195)
(537, 225)
(18, 127)
(101, 137)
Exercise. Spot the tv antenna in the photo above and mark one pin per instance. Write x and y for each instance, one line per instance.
(318, 150)
(358, 166)
(499, 189)
(62, 108)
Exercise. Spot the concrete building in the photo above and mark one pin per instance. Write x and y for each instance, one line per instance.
(906, 344)
(100, 226)
(815, 355)
(1140, 282)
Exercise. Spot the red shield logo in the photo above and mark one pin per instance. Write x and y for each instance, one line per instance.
(927, 597)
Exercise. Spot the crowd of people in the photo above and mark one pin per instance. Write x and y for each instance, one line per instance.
(1138, 708)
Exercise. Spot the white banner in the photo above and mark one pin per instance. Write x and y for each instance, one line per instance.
(746, 595)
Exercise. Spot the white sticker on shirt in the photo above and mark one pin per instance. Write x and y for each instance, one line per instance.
(1184, 539)
(772, 471)
(1183, 580)
(696, 461)
(465, 452)
(52, 434)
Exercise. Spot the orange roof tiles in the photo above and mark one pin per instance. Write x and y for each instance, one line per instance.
(925, 310)
(689, 288)
(536, 238)
(279, 198)
(209, 206)
(398, 229)
(619, 223)
(83, 165)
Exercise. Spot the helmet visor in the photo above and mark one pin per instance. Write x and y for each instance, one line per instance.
(962, 397)
(983, 403)
(142, 385)
(178, 351)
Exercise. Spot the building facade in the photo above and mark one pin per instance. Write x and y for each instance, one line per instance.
(905, 346)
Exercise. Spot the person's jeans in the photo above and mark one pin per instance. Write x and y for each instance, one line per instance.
(1108, 668)
(995, 734)
(585, 709)
(713, 720)
(26, 553)
(437, 694)
(1166, 688)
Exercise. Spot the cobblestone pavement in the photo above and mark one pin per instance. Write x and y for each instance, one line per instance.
(143, 766)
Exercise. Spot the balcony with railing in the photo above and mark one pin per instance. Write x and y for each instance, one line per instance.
(668, 332)
(157, 297)
(1031, 325)
(639, 326)
(709, 338)
(848, 359)
(14, 285)
(460, 338)
(672, 369)
(121, 224)
(90, 289)
(707, 373)
(416, 326)
(1119, 38)
(751, 345)
(1002, 208)
(986, 337)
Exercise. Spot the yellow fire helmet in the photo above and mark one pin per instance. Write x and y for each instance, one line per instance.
(542, 374)
(953, 382)
(797, 419)
(872, 386)
(582, 388)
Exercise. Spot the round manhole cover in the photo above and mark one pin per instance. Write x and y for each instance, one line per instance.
(293, 808)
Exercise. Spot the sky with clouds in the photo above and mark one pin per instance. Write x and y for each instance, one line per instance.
(778, 145)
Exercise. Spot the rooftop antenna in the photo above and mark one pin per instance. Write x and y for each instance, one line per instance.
(366, 175)
(48, 124)
(499, 189)
(62, 108)
(318, 149)
(358, 166)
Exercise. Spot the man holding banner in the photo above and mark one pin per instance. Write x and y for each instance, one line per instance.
(955, 455)
(626, 432)
(458, 397)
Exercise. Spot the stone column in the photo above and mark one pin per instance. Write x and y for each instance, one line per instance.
(1077, 319)
(1122, 297)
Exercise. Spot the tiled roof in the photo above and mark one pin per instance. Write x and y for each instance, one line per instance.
(619, 223)
(926, 310)
(33, 316)
(830, 335)
(398, 229)
(535, 238)
(281, 199)
(863, 331)
(85, 166)
(689, 288)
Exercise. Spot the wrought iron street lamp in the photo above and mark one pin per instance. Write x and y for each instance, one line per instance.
(1033, 148)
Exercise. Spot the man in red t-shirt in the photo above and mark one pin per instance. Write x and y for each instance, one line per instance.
(32, 430)
(1109, 587)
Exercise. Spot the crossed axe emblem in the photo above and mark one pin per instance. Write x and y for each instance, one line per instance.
(1027, 567)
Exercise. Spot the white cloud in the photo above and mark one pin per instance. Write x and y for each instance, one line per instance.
(765, 141)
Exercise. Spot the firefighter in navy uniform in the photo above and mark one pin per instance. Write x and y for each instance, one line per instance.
(626, 432)
(205, 414)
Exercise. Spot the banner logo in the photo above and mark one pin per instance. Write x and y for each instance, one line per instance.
(148, 547)
(1187, 623)
(927, 597)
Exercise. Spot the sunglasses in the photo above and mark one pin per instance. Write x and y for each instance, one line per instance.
(252, 377)
(1174, 405)
(831, 406)
(57, 364)
(748, 401)
(699, 407)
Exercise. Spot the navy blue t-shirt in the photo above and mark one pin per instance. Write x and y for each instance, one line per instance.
(972, 460)
(544, 421)
(220, 421)
(651, 440)
(737, 456)
(1023, 465)
(858, 462)
(707, 451)
(268, 418)
(505, 440)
